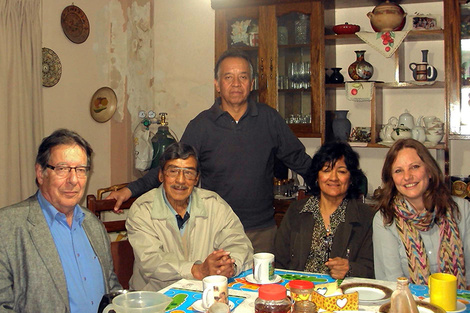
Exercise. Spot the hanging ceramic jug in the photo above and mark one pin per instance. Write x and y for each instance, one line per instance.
(418, 132)
(341, 125)
(360, 69)
(336, 77)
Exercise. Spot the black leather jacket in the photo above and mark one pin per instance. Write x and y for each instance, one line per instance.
(294, 238)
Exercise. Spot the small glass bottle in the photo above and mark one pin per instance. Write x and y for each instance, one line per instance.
(402, 300)
(272, 298)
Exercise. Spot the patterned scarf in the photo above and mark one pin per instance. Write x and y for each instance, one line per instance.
(450, 257)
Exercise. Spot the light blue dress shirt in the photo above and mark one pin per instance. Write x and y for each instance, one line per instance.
(82, 268)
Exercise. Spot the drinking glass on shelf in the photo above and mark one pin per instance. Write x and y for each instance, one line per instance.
(307, 73)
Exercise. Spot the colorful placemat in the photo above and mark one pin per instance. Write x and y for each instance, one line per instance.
(422, 292)
(183, 300)
(240, 283)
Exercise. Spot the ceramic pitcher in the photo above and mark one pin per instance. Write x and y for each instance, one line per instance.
(387, 130)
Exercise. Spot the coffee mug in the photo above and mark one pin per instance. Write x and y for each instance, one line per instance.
(263, 267)
(443, 290)
(215, 289)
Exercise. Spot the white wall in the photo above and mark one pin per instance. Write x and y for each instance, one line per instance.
(184, 59)
(67, 104)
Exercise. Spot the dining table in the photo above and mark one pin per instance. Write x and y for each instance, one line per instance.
(243, 291)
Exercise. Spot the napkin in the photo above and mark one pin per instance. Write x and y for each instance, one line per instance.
(384, 42)
(359, 91)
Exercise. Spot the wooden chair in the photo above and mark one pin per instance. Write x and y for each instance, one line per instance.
(121, 251)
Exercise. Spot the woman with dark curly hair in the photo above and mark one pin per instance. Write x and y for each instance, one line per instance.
(330, 232)
(420, 228)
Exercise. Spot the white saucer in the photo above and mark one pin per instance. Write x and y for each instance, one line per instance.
(251, 280)
(197, 305)
(460, 306)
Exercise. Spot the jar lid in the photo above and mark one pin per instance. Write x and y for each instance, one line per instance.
(300, 284)
(272, 292)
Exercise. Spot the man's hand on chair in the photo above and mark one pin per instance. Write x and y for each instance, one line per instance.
(120, 196)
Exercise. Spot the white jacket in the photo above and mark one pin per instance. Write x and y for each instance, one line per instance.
(163, 256)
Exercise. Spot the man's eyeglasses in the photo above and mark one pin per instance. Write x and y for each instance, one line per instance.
(188, 173)
(63, 171)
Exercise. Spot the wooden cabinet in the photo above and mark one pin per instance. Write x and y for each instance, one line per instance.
(273, 57)
(285, 69)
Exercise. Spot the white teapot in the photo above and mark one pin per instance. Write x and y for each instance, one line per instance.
(407, 120)
(387, 130)
(401, 132)
(418, 132)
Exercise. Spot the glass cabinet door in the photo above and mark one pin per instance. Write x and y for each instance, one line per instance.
(294, 71)
(242, 32)
(460, 116)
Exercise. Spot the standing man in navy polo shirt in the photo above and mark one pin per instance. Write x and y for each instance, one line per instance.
(237, 140)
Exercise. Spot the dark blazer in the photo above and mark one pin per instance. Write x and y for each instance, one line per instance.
(294, 238)
(31, 275)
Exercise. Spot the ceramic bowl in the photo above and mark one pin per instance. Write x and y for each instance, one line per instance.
(434, 139)
(346, 29)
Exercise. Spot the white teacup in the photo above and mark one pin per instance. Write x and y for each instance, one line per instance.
(215, 289)
(263, 267)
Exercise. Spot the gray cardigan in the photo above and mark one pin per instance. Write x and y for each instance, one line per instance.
(294, 238)
(31, 275)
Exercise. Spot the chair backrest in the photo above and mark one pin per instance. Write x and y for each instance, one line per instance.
(98, 206)
(121, 251)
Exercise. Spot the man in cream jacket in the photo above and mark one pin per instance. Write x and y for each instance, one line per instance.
(181, 231)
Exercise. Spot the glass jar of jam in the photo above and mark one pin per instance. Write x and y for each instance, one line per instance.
(301, 290)
(272, 298)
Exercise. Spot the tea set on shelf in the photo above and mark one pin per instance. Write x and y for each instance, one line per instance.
(429, 129)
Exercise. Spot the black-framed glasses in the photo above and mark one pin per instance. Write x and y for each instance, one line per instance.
(188, 173)
(63, 171)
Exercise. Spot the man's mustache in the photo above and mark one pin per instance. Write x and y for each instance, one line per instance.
(180, 187)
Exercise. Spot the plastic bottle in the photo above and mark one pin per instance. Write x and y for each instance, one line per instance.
(402, 300)
(272, 298)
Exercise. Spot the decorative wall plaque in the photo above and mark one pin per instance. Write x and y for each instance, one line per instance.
(51, 68)
(103, 104)
(75, 24)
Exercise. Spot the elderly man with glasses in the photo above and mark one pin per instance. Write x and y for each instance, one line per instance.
(181, 231)
(55, 255)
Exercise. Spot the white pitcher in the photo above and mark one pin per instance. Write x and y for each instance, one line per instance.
(387, 130)
(418, 132)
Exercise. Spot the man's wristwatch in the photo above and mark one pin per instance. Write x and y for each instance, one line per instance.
(235, 269)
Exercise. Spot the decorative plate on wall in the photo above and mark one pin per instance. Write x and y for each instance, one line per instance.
(103, 104)
(75, 24)
(51, 68)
